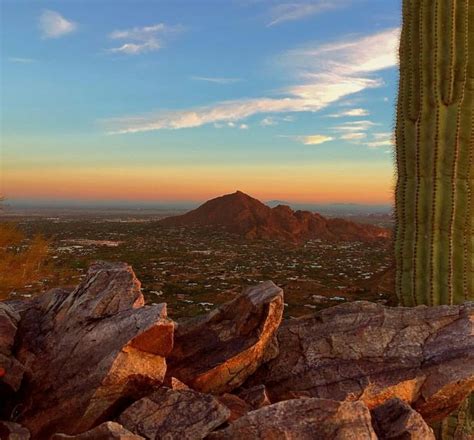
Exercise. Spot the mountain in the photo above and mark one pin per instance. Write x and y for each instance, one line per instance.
(246, 216)
(335, 209)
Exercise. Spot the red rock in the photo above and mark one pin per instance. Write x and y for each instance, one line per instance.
(105, 431)
(302, 419)
(237, 406)
(256, 397)
(217, 352)
(422, 355)
(395, 420)
(176, 384)
(90, 351)
(174, 414)
(246, 216)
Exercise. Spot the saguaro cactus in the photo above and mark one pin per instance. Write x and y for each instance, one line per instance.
(434, 243)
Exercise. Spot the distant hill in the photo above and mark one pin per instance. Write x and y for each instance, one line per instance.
(244, 215)
(335, 209)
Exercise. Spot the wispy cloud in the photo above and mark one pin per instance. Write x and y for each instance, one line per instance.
(381, 140)
(21, 60)
(275, 120)
(355, 126)
(291, 11)
(353, 136)
(324, 74)
(54, 25)
(231, 125)
(313, 139)
(216, 80)
(355, 112)
(142, 39)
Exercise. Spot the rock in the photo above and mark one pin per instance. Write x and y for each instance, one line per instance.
(174, 414)
(217, 352)
(91, 351)
(256, 397)
(105, 431)
(395, 420)
(302, 419)
(13, 431)
(237, 406)
(423, 355)
(11, 370)
(176, 384)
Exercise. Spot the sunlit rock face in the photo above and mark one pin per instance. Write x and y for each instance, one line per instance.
(217, 352)
(303, 419)
(78, 361)
(90, 351)
(364, 351)
(175, 414)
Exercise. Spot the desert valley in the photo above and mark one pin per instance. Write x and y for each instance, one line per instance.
(197, 260)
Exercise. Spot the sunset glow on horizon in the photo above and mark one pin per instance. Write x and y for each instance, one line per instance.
(150, 106)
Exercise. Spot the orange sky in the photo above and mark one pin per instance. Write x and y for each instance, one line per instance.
(341, 182)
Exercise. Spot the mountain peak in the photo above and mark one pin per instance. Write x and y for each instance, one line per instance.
(242, 214)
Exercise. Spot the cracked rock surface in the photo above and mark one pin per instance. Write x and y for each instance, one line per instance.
(174, 415)
(105, 431)
(303, 419)
(361, 350)
(396, 420)
(89, 350)
(217, 352)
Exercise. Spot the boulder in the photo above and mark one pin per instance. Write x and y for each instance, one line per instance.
(217, 352)
(237, 406)
(91, 351)
(105, 431)
(361, 350)
(13, 431)
(11, 370)
(174, 414)
(256, 397)
(302, 419)
(395, 420)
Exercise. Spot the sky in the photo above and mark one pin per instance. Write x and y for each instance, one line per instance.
(184, 100)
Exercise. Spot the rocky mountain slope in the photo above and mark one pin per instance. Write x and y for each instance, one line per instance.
(246, 216)
(96, 363)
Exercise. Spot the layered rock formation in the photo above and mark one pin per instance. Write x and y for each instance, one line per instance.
(90, 357)
(217, 352)
(303, 419)
(90, 351)
(181, 414)
(364, 351)
(105, 431)
(246, 216)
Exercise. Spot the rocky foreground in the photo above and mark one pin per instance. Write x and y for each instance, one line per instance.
(96, 363)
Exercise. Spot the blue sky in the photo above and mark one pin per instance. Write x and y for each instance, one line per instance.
(253, 87)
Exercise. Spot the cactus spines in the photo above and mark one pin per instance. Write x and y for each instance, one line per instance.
(434, 245)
